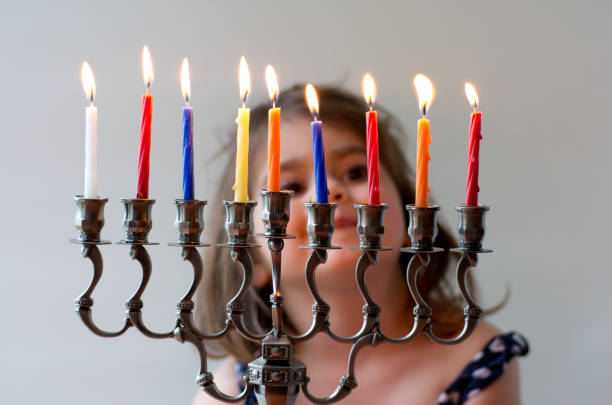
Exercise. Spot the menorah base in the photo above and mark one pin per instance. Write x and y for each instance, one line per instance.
(276, 375)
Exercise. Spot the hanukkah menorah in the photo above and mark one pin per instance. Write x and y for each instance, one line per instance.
(276, 376)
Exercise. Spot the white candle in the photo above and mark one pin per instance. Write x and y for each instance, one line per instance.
(91, 134)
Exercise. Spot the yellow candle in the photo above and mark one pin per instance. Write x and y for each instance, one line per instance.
(274, 115)
(242, 137)
(425, 95)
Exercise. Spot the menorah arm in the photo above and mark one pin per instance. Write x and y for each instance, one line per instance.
(371, 310)
(235, 307)
(84, 302)
(422, 311)
(320, 308)
(205, 378)
(472, 311)
(212, 390)
(186, 305)
(348, 382)
(135, 304)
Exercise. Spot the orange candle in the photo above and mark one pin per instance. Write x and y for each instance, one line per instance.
(273, 132)
(425, 95)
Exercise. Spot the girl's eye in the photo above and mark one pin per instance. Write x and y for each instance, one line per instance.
(294, 186)
(357, 173)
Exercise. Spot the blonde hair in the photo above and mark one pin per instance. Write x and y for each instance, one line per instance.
(222, 277)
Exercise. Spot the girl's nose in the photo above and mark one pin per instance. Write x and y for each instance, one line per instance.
(337, 193)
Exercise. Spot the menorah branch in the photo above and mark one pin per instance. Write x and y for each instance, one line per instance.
(84, 303)
(320, 308)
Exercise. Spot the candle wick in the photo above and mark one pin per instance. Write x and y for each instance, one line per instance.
(475, 107)
(274, 102)
(246, 93)
(370, 105)
(424, 109)
(91, 98)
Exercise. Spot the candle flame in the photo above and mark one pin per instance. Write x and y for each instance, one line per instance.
(312, 100)
(185, 82)
(272, 83)
(244, 77)
(472, 95)
(89, 83)
(147, 66)
(425, 92)
(368, 87)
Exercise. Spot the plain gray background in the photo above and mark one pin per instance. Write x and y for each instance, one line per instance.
(543, 73)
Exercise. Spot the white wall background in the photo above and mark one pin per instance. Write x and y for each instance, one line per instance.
(543, 73)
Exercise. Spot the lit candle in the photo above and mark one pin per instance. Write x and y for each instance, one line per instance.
(187, 134)
(425, 95)
(273, 132)
(471, 188)
(142, 188)
(242, 136)
(369, 93)
(91, 134)
(318, 153)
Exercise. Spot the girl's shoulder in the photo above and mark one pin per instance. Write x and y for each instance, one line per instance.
(485, 361)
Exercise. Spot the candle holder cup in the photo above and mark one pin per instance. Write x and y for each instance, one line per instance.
(137, 222)
(471, 228)
(239, 223)
(370, 226)
(320, 225)
(189, 222)
(422, 227)
(89, 220)
(275, 213)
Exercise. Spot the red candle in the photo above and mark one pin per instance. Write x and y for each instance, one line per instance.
(142, 189)
(369, 93)
(471, 188)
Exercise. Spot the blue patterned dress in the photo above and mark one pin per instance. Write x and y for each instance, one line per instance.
(486, 367)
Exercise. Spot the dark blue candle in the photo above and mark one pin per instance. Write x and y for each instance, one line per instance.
(318, 156)
(188, 153)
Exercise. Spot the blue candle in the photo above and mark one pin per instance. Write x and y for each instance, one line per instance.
(187, 134)
(188, 153)
(318, 156)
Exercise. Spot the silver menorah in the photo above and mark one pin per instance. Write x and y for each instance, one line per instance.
(276, 376)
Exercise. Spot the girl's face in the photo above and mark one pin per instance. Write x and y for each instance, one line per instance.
(347, 179)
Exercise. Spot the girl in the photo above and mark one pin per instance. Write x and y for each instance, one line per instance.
(480, 370)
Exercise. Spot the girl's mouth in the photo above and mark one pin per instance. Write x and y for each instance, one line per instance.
(343, 222)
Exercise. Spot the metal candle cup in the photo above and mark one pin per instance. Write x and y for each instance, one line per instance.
(137, 221)
(471, 226)
(89, 218)
(239, 221)
(189, 221)
(422, 226)
(320, 226)
(370, 225)
(275, 212)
